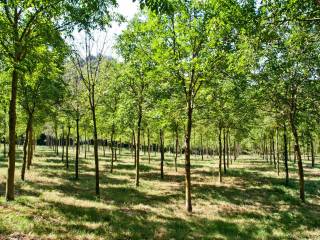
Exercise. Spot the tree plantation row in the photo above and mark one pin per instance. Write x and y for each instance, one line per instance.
(209, 78)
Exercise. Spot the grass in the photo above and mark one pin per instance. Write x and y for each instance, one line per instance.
(251, 203)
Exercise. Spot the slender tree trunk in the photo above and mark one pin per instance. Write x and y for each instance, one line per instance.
(285, 152)
(138, 147)
(24, 161)
(234, 149)
(273, 151)
(63, 144)
(278, 157)
(115, 154)
(95, 146)
(201, 146)
(104, 148)
(134, 147)
(112, 148)
(289, 152)
(144, 145)
(298, 153)
(85, 144)
(177, 145)
(312, 150)
(224, 151)
(56, 142)
(161, 152)
(67, 147)
(227, 147)
(77, 151)
(30, 145)
(220, 154)
(12, 137)
(187, 157)
(149, 145)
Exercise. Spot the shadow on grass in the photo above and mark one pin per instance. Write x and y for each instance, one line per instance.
(127, 223)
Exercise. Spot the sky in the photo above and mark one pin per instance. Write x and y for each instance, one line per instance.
(126, 8)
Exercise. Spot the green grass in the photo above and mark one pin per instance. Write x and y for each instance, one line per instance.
(251, 203)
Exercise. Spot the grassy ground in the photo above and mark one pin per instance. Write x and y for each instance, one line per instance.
(251, 203)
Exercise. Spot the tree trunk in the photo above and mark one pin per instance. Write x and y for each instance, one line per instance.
(56, 142)
(312, 151)
(201, 146)
(161, 153)
(220, 154)
(24, 161)
(285, 152)
(224, 151)
(30, 144)
(85, 144)
(112, 148)
(227, 147)
(177, 145)
(95, 146)
(63, 144)
(278, 157)
(187, 157)
(274, 152)
(149, 158)
(67, 147)
(138, 146)
(77, 151)
(12, 137)
(134, 147)
(234, 149)
(298, 153)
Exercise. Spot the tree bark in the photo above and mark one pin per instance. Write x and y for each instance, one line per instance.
(112, 148)
(95, 146)
(273, 151)
(63, 144)
(187, 156)
(77, 151)
(227, 147)
(278, 157)
(312, 151)
(298, 154)
(161, 153)
(285, 152)
(134, 147)
(220, 154)
(224, 151)
(30, 144)
(201, 146)
(85, 144)
(67, 147)
(24, 161)
(138, 146)
(12, 137)
(149, 157)
(177, 145)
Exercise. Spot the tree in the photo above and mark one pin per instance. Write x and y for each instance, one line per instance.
(135, 46)
(88, 69)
